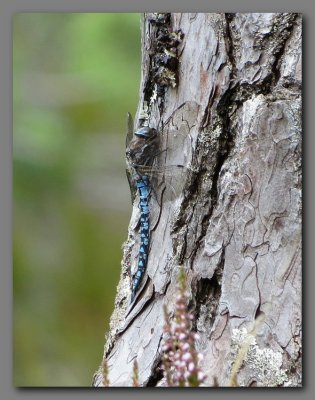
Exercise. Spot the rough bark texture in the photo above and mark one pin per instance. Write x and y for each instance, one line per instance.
(236, 228)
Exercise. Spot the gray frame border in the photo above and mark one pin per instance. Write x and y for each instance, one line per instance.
(7, 391)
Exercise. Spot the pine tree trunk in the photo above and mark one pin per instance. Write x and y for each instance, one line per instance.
(231, 84)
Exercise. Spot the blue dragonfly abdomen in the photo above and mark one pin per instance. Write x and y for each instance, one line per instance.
(143, 187)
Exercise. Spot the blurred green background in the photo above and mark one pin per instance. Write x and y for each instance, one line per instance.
(75, 75)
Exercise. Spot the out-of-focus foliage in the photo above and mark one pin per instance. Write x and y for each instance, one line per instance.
(75, 77)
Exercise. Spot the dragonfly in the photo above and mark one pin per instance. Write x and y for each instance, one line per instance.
(146, 169)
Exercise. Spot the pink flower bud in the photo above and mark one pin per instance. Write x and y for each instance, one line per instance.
(183, 365)
(186, 357)
(187, 375)
(201, 376)
(185, 346)
(191, 366)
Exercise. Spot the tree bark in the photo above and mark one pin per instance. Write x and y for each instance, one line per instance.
(231, 85)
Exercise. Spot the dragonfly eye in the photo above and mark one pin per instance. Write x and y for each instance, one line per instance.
(145, 132)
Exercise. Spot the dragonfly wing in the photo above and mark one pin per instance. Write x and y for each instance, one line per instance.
(130, 178)
(173, 177)
(129, 129)
(132, 185)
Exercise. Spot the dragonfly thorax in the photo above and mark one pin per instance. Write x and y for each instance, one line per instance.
(143, 148)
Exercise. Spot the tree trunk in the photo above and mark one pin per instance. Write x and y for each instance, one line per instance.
(231, 85)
